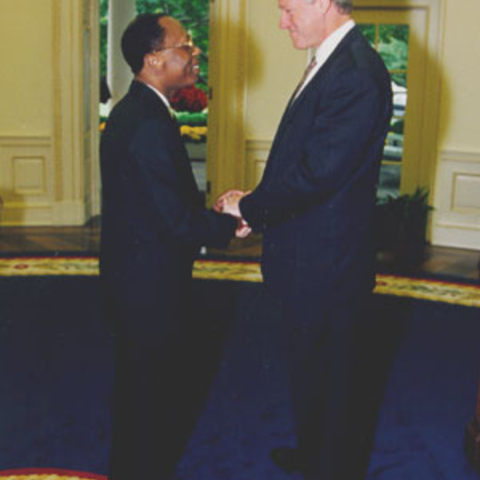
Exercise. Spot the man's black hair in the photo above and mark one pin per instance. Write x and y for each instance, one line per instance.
(143, 35)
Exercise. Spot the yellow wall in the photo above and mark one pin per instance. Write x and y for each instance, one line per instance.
(45, 154)
(26, 80)
(460, 102)
(456, 219)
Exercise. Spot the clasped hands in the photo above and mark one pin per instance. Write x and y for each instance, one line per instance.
(228, 203)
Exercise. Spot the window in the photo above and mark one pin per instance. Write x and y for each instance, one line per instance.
(392, 42)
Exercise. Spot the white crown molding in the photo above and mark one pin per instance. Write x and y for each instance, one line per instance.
(460, 155)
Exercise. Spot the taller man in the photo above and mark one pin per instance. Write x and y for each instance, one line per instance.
(153, 223)
(315, 206)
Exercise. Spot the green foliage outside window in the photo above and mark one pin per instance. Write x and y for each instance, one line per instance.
(103, 36)
(368, 31)
(391, 41)
(393, 47)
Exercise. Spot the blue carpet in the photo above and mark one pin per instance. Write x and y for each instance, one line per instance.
(430, 396)
(56, 370)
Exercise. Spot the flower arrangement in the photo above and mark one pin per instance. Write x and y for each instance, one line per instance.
(195, 134)
(193, 119)
(189, 99)
(103, 123)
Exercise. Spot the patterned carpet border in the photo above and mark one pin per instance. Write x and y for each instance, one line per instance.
(426, 289)
(48, 474)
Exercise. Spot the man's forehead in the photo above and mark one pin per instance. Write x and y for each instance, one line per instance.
(172, 26)
(286, 4)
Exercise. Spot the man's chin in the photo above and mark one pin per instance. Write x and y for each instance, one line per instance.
(190, 82)
(297, 44)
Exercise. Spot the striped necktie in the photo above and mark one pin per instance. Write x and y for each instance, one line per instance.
(310, 67)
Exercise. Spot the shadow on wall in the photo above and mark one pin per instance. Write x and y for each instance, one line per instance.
(9, 213)
(256, 58)
(444, 101)
(437, 120)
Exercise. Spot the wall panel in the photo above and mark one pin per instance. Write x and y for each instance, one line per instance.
(456, 220)
(26, 181)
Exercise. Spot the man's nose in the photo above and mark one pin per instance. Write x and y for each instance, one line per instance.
(284, 21)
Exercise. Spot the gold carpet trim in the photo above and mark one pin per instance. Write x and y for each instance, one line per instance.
(437, 291)
(433, 290)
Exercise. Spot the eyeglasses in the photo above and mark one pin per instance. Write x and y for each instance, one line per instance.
(188, 46)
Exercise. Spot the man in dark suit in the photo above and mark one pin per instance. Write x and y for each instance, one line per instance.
(315, 207)
(153, 224)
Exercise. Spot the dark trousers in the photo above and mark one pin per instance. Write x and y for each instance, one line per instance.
(326, 337)
(154, 395)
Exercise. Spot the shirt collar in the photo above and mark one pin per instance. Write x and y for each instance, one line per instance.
(327, 47)
(163, 98)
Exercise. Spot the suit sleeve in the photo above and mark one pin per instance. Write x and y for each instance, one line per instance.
(340, 135)
(157, 158)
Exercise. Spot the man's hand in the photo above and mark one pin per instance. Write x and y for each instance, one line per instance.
(228, 196)
(231, 205)
(229, 201)
(243, 230)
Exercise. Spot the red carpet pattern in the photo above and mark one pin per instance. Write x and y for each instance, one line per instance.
(426, 289)
(48, 474)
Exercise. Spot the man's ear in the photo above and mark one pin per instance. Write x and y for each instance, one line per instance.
(323, 5)
(151, 60)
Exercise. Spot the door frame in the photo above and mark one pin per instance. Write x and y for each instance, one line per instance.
(75, 137)
(419, 169)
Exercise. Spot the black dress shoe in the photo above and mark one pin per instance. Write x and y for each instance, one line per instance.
(288, 459)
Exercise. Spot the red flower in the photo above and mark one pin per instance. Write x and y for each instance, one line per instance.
(189, 99)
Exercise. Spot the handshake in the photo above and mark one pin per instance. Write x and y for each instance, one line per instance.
(228, 203)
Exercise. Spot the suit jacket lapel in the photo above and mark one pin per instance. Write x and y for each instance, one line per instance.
(292, 108)
(351, 35)
(151, 101)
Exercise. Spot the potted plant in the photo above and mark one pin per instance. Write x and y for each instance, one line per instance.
(401, 225)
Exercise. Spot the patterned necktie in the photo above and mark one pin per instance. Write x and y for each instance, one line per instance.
(311, 66)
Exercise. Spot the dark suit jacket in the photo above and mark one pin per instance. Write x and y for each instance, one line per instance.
(316, 199)
(153, 221)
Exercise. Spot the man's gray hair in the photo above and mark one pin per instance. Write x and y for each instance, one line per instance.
(345, 6)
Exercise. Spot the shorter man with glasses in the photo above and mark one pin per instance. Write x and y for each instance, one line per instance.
(153, 224)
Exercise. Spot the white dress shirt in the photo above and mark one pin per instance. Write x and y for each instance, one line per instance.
(326, 48)
(163, 98)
